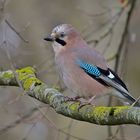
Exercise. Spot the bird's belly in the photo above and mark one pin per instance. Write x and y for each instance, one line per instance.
(83, 85)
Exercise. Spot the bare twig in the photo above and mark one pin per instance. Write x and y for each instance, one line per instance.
(18, 33)
(133, 2)
(112, 22)
(69, 129)
(18, 121)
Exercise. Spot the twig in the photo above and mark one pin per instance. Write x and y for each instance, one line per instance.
(110, 21)
(133, 2)
(12, 27)
(18, 121)
(114, 21)
(75, 137)
(69, 129)
(120, 48)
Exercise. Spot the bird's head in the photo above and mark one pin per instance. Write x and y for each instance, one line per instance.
(62, 36)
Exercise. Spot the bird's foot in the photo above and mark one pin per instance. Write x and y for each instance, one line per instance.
(83, 103)
(72, 98)
(87, 102)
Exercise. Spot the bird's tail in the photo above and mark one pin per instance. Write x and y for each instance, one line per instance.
(123, 93)
(129, 98)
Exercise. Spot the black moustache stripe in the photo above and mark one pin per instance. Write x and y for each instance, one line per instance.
(62, 42)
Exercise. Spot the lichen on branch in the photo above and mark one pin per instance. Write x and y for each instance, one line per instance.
(89, 113)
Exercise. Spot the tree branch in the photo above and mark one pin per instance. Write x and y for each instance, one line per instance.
(89, 113)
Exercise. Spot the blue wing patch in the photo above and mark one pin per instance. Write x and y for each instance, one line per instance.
(89, 68)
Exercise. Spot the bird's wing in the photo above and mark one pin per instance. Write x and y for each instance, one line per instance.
(105, 77)
(91, 56)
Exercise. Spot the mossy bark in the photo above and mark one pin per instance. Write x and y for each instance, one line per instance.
(89, 113)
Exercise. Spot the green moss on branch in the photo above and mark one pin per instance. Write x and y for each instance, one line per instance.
(89, 113)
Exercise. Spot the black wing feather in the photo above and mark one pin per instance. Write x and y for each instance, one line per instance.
(98, 79)
(118, 80)
(106, 73)
(116, 77)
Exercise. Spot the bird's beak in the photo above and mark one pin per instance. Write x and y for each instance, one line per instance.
(51, 37)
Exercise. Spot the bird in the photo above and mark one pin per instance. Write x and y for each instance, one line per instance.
(82, 68)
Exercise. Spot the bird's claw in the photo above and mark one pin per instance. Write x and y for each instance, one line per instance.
(83, 104)
(88, 102)
(72, 98)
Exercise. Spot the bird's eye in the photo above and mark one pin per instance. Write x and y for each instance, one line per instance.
(62, 34)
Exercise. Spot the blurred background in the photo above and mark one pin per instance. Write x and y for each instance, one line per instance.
(24, 24)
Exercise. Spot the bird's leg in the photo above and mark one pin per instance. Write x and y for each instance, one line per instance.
(88, 102)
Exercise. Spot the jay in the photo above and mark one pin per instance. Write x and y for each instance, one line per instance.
(82, 68)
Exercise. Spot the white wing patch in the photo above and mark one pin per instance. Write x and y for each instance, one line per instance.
(111, 75)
